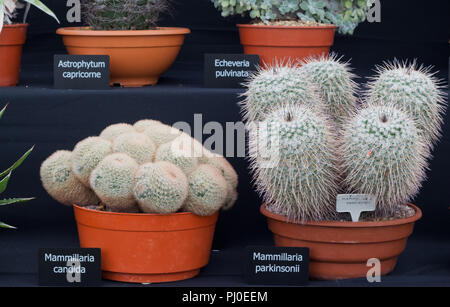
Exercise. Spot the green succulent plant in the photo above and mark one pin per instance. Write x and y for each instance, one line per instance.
(6, 175)
(8, 10)
(346, 14)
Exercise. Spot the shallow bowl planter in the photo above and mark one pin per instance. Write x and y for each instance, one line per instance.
(137, 57)
(147, 248)
(12, 39)
(283, 43)
(340, 250)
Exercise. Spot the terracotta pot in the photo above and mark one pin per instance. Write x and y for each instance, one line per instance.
(137, 58)
(147, 248)
(12, 39)
(340, 250)
(282, 43)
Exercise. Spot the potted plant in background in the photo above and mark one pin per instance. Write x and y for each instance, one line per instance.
(293, 29)
(4, 179)
(12, 37)
(310, 140)
(127, 31)
(148, 195)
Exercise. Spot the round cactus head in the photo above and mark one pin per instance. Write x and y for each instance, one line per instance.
(162, 133)
(87, 154)
(160, 187)
(59, 181)
(293, 159)
(207, 191)
(383, 155)
(336, 85)
(112, 180)
(179, 152)
(225, 169)
(113, 131)
(271, 87)
(137, 145)
(411, 89)
(143, 124)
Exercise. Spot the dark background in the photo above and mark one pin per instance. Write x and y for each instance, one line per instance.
(57, 119)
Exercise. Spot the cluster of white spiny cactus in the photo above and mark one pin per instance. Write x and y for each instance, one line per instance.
(147, 167)
(312, 137)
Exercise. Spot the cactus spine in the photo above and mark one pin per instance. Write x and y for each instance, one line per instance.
(113, 131)
(298, 178)
(383, 155)
(137, 145)
(414, 90)
(336, 85)
(273, 86)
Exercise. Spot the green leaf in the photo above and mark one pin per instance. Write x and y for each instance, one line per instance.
(4, 183)
(42, 7)
(11, 201)
(4, 108)
(17, 163)
(3, 225)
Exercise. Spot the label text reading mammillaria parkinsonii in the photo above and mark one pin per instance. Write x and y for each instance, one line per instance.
(296, 259)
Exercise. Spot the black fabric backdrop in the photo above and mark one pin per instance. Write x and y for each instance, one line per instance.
(57, 119)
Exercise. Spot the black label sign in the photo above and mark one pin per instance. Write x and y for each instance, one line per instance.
(69, 266)
(271, 265)
(81, 71)
(228, 70)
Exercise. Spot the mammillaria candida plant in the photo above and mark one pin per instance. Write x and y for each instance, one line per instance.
(124, 14)
(346, 14)
(380, 149)
(413, 89)
(121, 171)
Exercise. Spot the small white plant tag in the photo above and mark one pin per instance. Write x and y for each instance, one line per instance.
(355, 204)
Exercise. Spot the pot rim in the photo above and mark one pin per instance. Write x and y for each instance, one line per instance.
(16, 25)
(324, 27)
(86, 31)
(133, 214)
(346, 224)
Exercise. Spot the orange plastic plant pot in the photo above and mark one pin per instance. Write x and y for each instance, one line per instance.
(147, 248)
(12, 39)
(340, 250)
(137, 57)
(278, 44)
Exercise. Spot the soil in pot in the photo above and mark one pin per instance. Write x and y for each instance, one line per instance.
(281, 43)
(147, 248)
(137, 57)
(340, 250)
(12, 39)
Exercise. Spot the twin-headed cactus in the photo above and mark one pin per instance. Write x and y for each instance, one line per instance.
(383, 147)
(129, 171)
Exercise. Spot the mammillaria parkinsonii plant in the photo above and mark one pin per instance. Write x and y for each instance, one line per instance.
(124, 170)
(346, 14)
(413, 89)
(382, 148)
(124, 14)
(9, 10)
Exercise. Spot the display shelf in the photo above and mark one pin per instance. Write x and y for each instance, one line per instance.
(56, 119)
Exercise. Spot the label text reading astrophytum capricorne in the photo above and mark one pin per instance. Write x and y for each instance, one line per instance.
(229, 68)
(82, 69)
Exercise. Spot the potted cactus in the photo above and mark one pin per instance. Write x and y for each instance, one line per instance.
(127, 31)
(147, 194)
(5, 177)
(311, 139)
(12, 37)
(295, 29)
